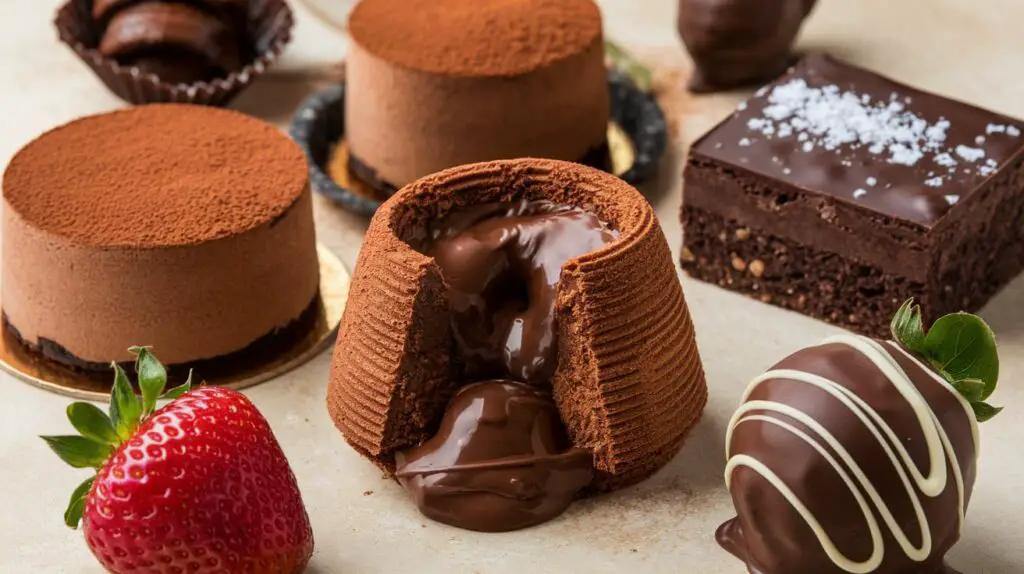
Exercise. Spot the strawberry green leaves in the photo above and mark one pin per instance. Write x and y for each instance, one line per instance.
(125, 406)
(960, 347)
(76, 506)
(92, 423)
(79, 451)
(99, 434)
(152, 378)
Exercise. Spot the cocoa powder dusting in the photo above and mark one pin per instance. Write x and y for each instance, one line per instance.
(156, 175)
(474, 38)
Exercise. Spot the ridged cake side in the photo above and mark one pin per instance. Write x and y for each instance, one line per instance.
(391, 361)
(628, 346)
(629, 383)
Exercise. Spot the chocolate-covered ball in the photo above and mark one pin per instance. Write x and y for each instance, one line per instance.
(851, 456)
(736, 43)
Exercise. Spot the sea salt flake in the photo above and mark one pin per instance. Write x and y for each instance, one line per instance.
(980, 140)
(952, 199)
(859, 193)
(787, 171)
(808, 147)
(969, 153)
(1013, 131)
(871, 181)
(995, 129)
(742, 106)
(934, 182)
(745, 142)
(784, 131)
(945, 160)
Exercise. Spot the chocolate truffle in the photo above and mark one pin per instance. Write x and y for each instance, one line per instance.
(432, 84)
(628, 381)
(182, 227)
(500, 461)
(852, 456)
(178, 42)
(737, 43)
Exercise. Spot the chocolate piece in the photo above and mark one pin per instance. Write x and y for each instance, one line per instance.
(737, 43)
(840, 193)
(628, 385)
(431, 85)
(500, 461)
(851, 456)
(502, 264)
(106, 246)
(163, 31)
(261, 29)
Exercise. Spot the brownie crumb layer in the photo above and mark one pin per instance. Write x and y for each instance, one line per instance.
(263, 350)
(629, 383)
(154, 176)
(473, 38)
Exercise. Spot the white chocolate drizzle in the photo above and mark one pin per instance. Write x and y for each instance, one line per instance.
(941, 454)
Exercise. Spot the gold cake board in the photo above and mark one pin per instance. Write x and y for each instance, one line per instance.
(16, 361)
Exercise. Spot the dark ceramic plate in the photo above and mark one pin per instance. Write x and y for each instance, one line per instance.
(637, 136)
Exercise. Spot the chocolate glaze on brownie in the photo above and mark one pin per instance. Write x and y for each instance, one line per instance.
(840, 193)
(864, 139)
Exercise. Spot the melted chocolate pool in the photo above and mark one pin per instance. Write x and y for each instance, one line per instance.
(502, 459)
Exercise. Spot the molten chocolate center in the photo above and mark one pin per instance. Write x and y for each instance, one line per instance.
(502, 264)
(502, 459)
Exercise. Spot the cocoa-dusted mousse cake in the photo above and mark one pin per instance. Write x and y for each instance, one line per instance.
(839, 193)
(182, 227)
(516, 337)
(432, 84)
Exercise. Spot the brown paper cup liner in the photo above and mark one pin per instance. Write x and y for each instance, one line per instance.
(269, 30)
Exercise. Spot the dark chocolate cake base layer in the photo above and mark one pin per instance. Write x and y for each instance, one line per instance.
(782, 272)
(956, 266)
(598, 157)
(264, 349)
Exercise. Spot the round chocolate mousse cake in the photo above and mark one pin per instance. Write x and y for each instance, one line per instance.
(432, 84)
(186, 228)
(516, 337)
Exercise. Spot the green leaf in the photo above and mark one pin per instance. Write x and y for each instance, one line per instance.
(179, 390)
(125, 406)
(78, 451)
(621, 60)
(985, 411)
(964, 347)
(73, 515)
(152, 378)
(92, 423)
(971, 389)
(908, 328)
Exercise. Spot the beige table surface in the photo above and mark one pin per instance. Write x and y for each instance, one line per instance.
(970, 49)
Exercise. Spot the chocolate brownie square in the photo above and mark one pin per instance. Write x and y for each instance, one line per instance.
(840, 193)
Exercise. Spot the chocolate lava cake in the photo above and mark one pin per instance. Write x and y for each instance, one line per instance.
(626, 376)
(432, 84)
(182, 227)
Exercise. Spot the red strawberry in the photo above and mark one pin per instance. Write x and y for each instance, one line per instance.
(198, 486)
